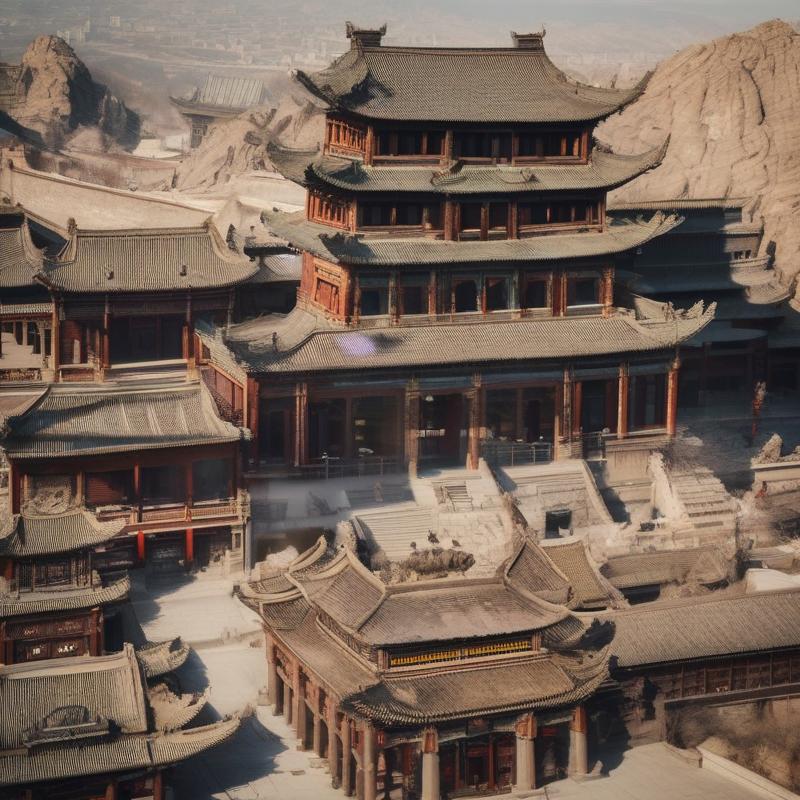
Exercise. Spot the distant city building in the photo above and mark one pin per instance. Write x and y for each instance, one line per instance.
(221, 97)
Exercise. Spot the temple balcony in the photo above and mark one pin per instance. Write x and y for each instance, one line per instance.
(151, 516)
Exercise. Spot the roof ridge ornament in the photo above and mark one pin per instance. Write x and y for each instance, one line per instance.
(364, 37)
(529, 41)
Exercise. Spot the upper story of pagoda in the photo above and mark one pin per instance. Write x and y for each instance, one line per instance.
(429, 105)
(458, 144)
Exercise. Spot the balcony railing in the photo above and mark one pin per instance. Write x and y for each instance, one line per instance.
(499, 453)
(327, 468)
(171, 512)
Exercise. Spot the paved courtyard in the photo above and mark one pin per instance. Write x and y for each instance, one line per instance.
(262, 760)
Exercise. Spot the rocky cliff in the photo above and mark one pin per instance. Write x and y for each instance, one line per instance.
(732, 110)
(53, 96)
(239, 145)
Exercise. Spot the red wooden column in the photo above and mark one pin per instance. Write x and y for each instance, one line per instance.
(187, 343)
(347, 755)
(525, 729)
(475, 397)
(189, 545)
(55, 339)
(622, 403)
(95, 633)
(251, 421)
(577, 407)
(411, 420)
(105, 359)
(158, 785)
(578, 744)
(301, 425)
(334, 764)
(111, 790)
(141, 552)
(607, 297)
(672, 397)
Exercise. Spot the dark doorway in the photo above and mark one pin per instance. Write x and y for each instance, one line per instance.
(135, 339)
(275, 437)
(593, 411)
(441, 426)
(327, 428)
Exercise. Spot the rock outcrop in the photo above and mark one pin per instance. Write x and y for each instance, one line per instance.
(53, 97)
(731, 108)
(239, 145)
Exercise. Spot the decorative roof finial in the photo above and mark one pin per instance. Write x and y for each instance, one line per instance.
(364, 37)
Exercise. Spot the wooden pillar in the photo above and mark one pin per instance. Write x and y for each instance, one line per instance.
(369, 145)
(141, 550)
(432, 293)
(448, 145)
(299, 709)
(137, 489)
(430, 765)
(578, 747)
(622, 401)
(484, 221)
(55, 339)
(105, 356)
(158, 785)
(347, 755)
(112, 790)
(333, 743)
(577, 407)
(187, 344)
(476, 420)
(251, 412)
(189, 545)
(272, 674)
(368, 759)
(607, 294)
(672, 397)
(411, 417)
(316, 734)
(287, 701)
(491, 759)
(525, 729)
(96, 633)
(301, 425)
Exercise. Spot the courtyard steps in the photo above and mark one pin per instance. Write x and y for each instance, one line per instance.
(395, 529)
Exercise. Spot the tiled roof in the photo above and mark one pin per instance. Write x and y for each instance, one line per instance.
(20, 260)
(460, 85)
(486, 341)
(159, 658)
(64, 600)
(35, 747)
(278, 268)
(530, 570)
(323, 241)
(702, 627)
(705, 564)
(20, 309)
(172, 711)
(589, 588)
(464, 609)
(683, 204)
(83, 420)
(108, 686)
(28, 535)
(147, 260)
(605, 170)
(225, 93)
(530, 683)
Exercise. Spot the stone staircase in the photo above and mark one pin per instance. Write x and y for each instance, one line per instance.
(379, 494)
(705, 503)
(455, 495)
(393, 530)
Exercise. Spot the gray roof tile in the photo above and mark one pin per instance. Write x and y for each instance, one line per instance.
(324, 242)
(147, 260)
(85, 420)
(461, 85)
(604, 171)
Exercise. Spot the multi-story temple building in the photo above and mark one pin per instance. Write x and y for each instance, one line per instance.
(431, 688)
(460, 290)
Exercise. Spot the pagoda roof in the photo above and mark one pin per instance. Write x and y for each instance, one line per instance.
(723, 623)
(27, 535)
(392, 251)
(486, 85)
(20, 260)
(71, 717)
(402, 614)
(159, 658)
(145, 260)
(223, 94)
(86, 420)
(532, 683)
(705, 565)
(28, 603)
(589, 588)
(307, 343)
(605, 170)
